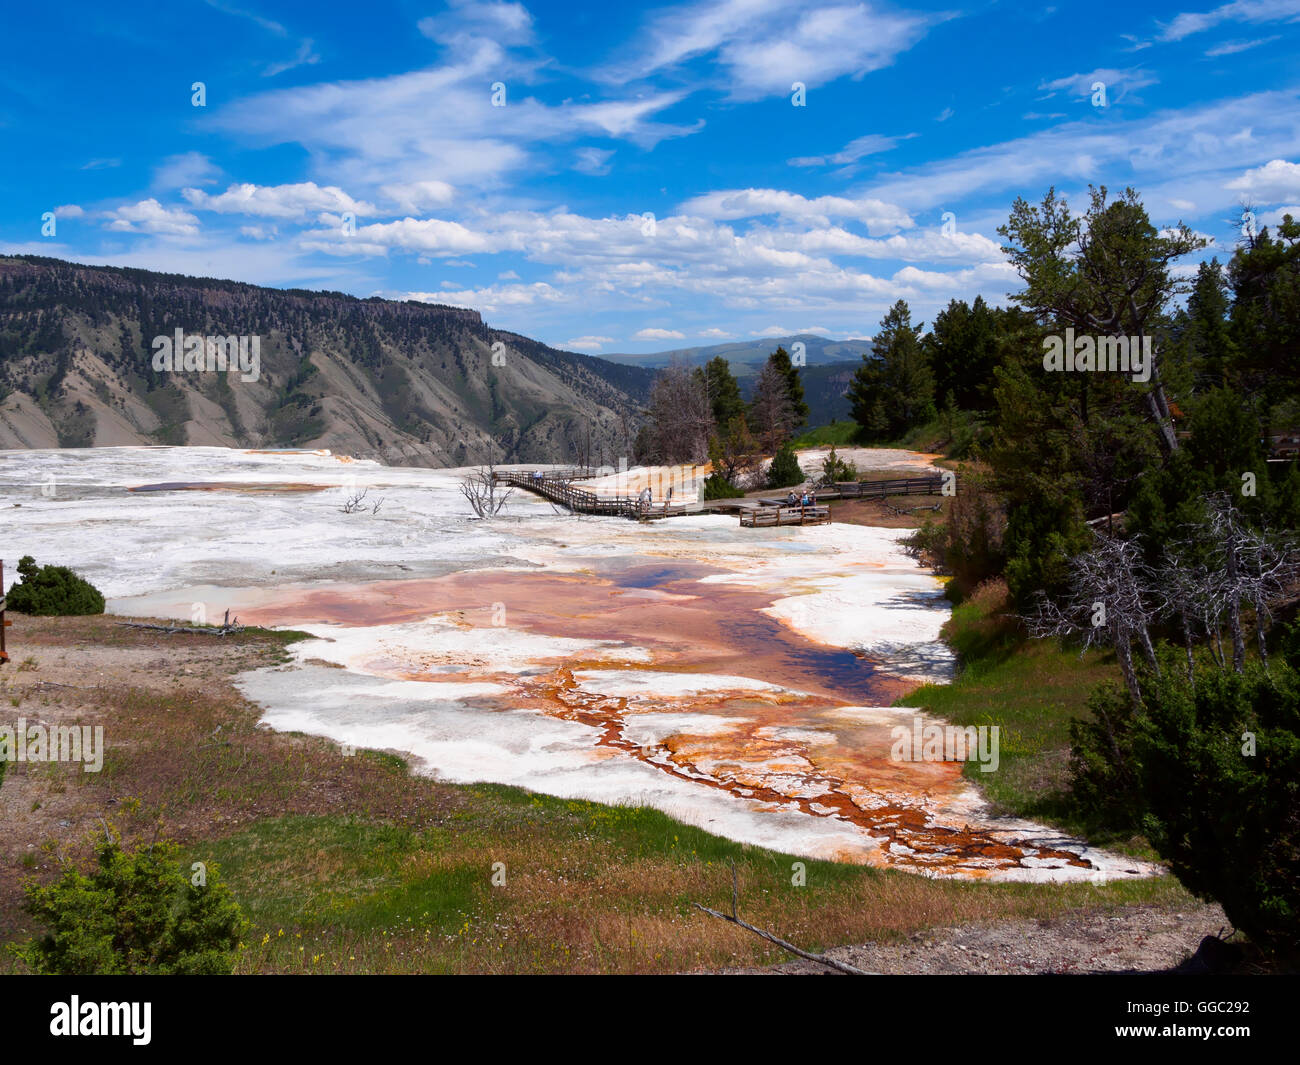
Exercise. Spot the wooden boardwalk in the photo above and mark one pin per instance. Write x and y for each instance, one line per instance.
(768, 517)
(558, 486)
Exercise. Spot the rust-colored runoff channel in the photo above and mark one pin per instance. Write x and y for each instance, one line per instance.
(796, 749)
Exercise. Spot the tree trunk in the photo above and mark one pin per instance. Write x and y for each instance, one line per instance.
(1187, 644)
(1234, 609)
(1259, 630)
(1125, 655)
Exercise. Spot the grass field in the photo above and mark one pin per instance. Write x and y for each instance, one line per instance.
(838, 433)
(1031, 690)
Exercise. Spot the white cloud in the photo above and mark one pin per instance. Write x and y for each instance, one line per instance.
(1273, 218)
(400, 129)
(659, 334)
(505, 22)
(762, 46)
(150, 216)
(278, 201)
(1119, 83)
(69, 210)
(419, 196)
(1250, 11)
(1188, 149)
(1275, 181)
(305, 56)
(876, 215)
(860, 148)
(433, 236)
(715, 333)
(495, 297)
(186, 169)
(1233, 47)
(589, 343)
(592, 160)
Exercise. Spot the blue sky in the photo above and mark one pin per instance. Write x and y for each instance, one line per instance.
(649, 182)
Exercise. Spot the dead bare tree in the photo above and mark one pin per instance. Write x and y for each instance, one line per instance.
(1184, 588)
(680, 419)
(772, 412)
(355, 502)
(1110, 602)
(485, 493)
(1251, 568)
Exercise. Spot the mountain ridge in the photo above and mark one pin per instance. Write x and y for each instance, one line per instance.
(404, 382)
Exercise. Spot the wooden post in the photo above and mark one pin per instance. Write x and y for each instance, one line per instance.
(4, 622)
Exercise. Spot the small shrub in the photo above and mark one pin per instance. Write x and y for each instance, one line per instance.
(835, 469)
(785, 471)
(137, 912)
(718, 487)
(49, 590)
(1211, 771)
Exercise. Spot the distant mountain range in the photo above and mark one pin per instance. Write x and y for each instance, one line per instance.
(747, 356)
(404, 382)
(826, 374)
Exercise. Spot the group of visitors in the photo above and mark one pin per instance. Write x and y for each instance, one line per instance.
(795, 499)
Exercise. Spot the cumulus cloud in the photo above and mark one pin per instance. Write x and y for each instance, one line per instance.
(876, 215)
(419, 196)
(589, 343)
(659, 334)
(278, 201)
(150, 216)
(1275, 181)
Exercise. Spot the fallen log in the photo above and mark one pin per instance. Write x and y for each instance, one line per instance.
(734, 918)
(224, 629)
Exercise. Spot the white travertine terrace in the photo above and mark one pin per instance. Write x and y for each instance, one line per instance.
(465, 697)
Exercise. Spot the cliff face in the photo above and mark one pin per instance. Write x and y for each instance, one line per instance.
(406, 383)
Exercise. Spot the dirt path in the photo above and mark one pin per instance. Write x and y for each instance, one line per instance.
(1134, 939)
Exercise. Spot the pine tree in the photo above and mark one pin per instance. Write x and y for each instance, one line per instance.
(722, 390)
(893, 389)
(780, 359)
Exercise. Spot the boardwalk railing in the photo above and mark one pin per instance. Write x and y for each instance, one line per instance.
(899, 486)
(760, 517)
(558, 488)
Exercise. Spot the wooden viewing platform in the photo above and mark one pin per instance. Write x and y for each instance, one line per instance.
(761, 517)
(898, 486)
(558, 486)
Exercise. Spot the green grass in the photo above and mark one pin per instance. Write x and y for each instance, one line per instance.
(588, 888)
(838, 433)
(1031, 690)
